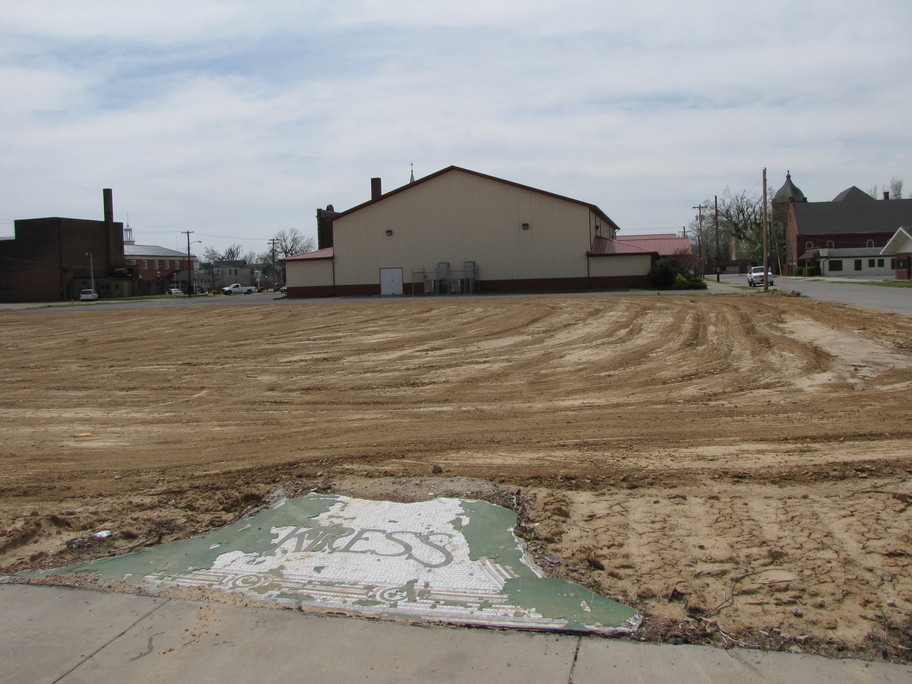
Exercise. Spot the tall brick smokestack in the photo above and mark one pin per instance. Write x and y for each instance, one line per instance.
(108, 224)
(108, 205)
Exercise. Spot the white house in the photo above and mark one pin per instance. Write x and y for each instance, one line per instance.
(899, 248)
(851, 261)
(458, 231)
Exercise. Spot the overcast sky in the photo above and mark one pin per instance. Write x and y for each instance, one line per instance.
(236, 119)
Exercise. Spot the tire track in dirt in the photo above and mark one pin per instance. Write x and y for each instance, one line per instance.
(662, 443)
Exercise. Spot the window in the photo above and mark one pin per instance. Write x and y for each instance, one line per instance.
(871, 263)
(809, 245)
(870, 243)
(857, 264)
(835, 265)
(145, 264)
(830, 244)
(132, 262)
(155, 263)
(880, 263)
(893, 264)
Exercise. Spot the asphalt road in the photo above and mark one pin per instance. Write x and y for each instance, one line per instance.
(840, 291)
(858, 293)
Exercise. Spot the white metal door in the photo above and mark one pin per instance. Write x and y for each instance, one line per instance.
(391, 281)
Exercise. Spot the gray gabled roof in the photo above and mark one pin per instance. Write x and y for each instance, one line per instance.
(845, 252)
(152, 251)
(852, 211)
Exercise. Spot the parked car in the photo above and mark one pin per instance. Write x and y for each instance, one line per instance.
(755, 276)
(175, 291)
(237, 288)
(88, 296)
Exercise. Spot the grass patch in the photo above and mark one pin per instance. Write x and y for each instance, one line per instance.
(889, 283)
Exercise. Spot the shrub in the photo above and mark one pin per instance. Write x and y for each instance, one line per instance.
(663, 272)
(669, 273)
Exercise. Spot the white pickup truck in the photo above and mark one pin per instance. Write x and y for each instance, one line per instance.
(755, 276)
(237, 288)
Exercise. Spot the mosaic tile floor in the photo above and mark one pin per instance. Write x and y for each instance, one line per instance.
(449, 560)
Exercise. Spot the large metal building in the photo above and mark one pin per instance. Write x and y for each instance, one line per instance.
(461, 231)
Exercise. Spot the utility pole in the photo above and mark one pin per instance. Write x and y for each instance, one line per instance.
(716, 224)
(272, 243)
(765, 238)
(700, 231)
(189, 265)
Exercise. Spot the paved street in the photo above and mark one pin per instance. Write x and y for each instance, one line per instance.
(860, 293)
(837, 290)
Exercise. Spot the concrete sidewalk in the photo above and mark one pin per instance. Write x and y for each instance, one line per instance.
(58, 634)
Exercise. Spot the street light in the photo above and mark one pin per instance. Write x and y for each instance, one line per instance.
(91, 270)
(189, 263)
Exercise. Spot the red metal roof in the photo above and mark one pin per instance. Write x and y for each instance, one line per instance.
(662, 244)
(326, 253)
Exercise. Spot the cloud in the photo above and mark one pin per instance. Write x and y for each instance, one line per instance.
(238, 119)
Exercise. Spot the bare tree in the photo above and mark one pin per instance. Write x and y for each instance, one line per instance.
(700, 230)
(895, 188)
(232, 253)
(292, 241)
(740, 224)
(741, 215)
(252, 257)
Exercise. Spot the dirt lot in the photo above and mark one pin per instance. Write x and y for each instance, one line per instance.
(737, 467)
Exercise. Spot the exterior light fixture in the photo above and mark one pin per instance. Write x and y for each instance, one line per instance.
(525, 226)
(389, 232)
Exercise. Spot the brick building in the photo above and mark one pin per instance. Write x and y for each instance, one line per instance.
(159, 269)
(844, 236)
(52, 259)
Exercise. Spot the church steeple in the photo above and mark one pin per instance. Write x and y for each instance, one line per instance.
(788, 192)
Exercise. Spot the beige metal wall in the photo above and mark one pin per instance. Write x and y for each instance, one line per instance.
(459, 217)
(624, 265)
(309, 273)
